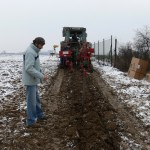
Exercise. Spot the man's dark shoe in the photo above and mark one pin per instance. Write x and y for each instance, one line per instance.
(24, 121)
(42, 119)
(34, 126)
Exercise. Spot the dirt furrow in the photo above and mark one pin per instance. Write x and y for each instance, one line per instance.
(88, 120)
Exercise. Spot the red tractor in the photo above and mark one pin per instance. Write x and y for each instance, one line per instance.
(75, 50)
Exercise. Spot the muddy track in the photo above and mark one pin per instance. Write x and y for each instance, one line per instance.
(89, 119)
(128, 124)
(82, 115)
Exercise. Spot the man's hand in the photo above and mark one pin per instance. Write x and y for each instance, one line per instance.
(45, 77)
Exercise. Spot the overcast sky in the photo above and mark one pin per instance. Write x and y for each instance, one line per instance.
(23, 20)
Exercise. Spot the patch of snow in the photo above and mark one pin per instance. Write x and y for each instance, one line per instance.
(11, 72)
(128, 144)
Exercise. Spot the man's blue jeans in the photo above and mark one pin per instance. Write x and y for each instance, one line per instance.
(34, 110)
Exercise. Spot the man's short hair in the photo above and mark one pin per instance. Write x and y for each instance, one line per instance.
(39, 40)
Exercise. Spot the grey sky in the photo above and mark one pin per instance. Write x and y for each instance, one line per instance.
(23, 20)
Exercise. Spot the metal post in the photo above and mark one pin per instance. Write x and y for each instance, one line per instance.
(103, 51)
(98, 51)
(111, 50)
(94, 49)
(115, 52)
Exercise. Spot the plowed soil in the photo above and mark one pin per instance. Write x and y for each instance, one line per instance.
(83, 114)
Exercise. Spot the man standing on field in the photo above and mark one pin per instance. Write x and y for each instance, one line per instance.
(32, 76)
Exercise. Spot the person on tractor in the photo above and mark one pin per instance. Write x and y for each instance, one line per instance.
(75, 38)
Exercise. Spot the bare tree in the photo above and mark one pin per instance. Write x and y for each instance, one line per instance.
(125, 50)
(124, 57)
(142, 41)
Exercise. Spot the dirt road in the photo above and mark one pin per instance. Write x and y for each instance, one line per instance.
(83, 114)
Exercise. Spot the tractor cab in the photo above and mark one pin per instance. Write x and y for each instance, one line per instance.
(74, 34)
(74, 38)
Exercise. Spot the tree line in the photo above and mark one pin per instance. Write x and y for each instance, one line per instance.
(139, 48)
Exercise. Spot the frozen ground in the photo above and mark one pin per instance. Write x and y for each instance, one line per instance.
(11, 71)
(134, 93)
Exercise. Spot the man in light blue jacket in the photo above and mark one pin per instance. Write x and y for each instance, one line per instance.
(31, 77)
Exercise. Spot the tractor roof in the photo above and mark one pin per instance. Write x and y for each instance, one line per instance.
(72, 30)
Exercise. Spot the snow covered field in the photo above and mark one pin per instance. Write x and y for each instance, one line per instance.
(11, 71)
(134, 93)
